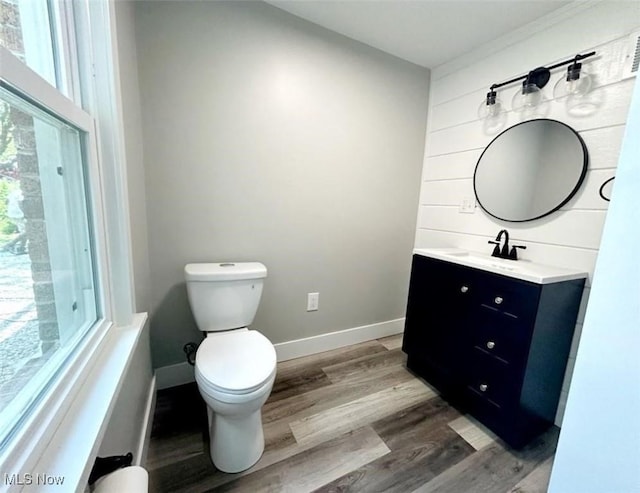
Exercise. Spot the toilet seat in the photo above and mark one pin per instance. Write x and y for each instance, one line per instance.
(236, 362)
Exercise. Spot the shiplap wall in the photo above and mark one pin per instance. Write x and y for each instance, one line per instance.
(456, 137)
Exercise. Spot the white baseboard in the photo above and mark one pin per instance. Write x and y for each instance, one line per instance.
(334, 340)
(140, 459)
(174, 375)
(181, 373)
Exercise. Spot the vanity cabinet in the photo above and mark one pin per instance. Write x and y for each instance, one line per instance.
(493, 345)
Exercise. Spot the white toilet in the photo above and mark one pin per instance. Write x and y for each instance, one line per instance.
(235, 367)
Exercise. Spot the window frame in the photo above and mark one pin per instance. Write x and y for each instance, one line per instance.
(99, 118)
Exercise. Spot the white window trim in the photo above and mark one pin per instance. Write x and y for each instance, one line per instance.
(105, 103)
(16, 74)
(62, 434)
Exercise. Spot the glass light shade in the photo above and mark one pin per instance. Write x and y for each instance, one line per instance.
(494, 123)
(530, 103)
(578, 87)
(490, 110)
(584, 105)
(529, 96)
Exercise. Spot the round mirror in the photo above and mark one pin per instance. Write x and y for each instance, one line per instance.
(530, 170)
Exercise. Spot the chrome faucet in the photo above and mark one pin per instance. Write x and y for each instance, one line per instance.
(504, 252)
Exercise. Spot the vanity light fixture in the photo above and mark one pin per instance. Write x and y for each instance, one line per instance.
(530, 95)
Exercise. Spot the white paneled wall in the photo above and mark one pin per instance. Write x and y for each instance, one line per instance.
(456, 137)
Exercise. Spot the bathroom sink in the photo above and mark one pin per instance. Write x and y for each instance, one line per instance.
(519, 269)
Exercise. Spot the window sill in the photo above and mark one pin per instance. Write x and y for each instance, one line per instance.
(81, 418)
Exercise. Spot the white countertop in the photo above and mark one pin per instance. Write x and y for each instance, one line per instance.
(524, 270)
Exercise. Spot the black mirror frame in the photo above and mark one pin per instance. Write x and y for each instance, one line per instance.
(583, 174)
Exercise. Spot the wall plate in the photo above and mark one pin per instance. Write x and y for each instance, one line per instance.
(467, 205)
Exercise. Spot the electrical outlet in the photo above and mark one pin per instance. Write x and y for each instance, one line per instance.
(467, 205)
(313, 300)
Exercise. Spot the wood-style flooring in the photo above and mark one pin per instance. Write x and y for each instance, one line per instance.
(352, 419)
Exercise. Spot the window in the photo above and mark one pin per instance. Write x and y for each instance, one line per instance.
(34, 32)
(48, 297)
(54, 288)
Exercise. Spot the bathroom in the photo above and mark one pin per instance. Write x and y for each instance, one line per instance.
(251, 134)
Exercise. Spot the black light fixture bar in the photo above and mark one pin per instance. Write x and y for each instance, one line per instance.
(575, 59)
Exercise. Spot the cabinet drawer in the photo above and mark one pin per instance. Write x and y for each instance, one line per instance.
(508, 298)
(504, 338)
(501, 421)
(493, 380)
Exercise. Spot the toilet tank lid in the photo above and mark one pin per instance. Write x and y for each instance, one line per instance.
(224, 271)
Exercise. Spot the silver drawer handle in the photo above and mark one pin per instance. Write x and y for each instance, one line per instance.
(498, 300)
(491, 344)
(483, 387)
(464, 289)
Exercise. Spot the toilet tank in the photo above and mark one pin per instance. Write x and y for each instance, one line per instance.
(226, 295)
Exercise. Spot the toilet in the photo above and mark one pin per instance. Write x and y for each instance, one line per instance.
(235, 366)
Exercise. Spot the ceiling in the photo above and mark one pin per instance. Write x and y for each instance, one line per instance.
(425, 32)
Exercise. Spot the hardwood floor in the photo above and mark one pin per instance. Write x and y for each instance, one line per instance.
(353, 419)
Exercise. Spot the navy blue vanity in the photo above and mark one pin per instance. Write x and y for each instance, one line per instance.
(492, 336)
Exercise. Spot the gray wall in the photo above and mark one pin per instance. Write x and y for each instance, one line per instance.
(270, 139)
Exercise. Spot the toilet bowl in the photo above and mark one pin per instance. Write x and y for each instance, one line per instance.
(235, 367)
(234, 398)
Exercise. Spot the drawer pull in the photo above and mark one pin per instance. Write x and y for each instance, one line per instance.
(491, 344)
(483, 387)
(464, 289)
(498, 300)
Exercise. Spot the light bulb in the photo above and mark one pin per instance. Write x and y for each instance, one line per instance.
(530, 103)
(576, 87)
(528, 97)
(489, 110)
(530, 100)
